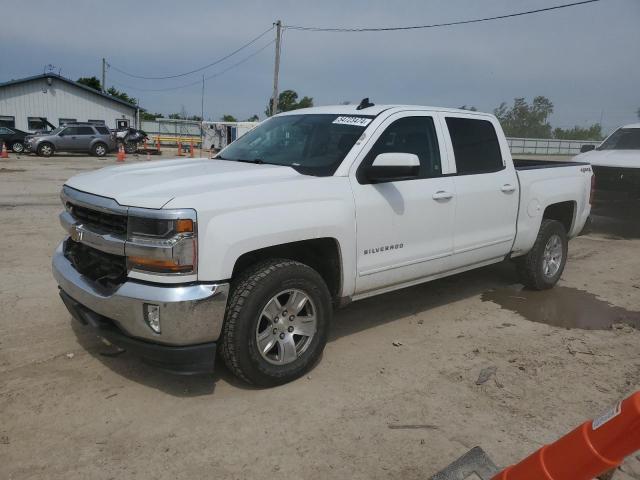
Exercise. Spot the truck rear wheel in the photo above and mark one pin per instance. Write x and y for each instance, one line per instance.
(276, 323)
(542, 267)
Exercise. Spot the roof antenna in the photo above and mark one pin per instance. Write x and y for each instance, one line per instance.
(365, 103)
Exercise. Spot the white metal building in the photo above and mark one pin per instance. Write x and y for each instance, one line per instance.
(58, 100)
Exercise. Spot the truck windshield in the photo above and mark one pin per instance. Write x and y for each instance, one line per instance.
(313, 144)
(622, 139)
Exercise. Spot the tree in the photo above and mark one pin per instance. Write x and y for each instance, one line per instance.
(91, 82)
(524, 120)
(594, 132)
(144, 115)
(114, 92)
(228, 118)
(287, 101)
(253, 118)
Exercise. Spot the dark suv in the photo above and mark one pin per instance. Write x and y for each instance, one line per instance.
(73, 137)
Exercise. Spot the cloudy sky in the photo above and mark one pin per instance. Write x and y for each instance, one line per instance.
(585, 59)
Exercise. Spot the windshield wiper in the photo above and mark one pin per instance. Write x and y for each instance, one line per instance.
(257, 161)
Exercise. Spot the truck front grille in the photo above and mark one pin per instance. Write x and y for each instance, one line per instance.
(104, 222)
(103, 268)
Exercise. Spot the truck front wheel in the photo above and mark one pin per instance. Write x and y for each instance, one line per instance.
(542, 267)
(276, 323)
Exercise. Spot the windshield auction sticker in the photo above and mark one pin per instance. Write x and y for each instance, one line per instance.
(356, 121)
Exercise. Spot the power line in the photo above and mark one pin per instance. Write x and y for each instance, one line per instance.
(165, 77)
(434, 25)
(199, 82)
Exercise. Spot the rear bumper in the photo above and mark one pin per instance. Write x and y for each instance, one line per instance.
(186, 360)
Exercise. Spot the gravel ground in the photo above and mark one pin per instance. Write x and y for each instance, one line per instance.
(395, 395)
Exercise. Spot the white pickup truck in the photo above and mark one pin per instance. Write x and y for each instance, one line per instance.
(249, 253)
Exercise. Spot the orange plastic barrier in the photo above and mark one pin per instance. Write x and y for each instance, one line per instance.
(158, 144)
(589, 450)
(5, 153)
(191, 148)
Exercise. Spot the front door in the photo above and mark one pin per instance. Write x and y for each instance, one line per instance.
(404, 228)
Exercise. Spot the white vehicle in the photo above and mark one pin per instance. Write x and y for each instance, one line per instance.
(616, 163)
(250, 252)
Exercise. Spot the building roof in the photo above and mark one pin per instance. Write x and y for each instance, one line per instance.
(69, 81)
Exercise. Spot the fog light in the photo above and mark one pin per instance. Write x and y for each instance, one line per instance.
(152, 316)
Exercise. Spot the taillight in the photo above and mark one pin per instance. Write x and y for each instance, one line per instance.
(593, 188)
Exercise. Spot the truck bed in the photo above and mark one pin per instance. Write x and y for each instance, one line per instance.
(528, 164)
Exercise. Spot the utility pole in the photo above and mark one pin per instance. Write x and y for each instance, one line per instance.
(202, 117)
(104, 75)
(276, 70)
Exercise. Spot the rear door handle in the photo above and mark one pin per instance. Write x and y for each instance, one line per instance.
(508, 188)
(442, 195)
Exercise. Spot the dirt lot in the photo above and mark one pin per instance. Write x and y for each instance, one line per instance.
(370, 409)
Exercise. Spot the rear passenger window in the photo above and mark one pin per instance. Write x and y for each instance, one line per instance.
(85, 131)
(415, 135)
(475, 146)
(102, 130)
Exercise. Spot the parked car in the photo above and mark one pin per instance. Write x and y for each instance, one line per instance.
(73, 137)
(250, 252)
(13, 138)
(616, 164)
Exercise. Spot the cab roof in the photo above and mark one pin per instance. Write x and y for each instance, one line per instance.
(373, 110)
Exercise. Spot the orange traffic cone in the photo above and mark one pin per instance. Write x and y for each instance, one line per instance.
(179, 148)
(586, 452)
(121, 155)
(5, 153)
(191, 148)
(158, 144)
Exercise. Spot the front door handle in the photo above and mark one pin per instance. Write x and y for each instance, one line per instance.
(508, 188)
(442, 195)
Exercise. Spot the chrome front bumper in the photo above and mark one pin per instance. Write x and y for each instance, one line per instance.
(189, 314)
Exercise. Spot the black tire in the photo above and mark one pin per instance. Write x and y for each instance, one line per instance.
(46, 149)
(99, 149)
(130, 147)
(252, 291)
(17, 147)
(530, 267)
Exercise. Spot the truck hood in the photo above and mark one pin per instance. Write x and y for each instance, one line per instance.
(154, 184)
(611, 158)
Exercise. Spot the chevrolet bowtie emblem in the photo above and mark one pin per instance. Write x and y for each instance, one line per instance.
(76, 233)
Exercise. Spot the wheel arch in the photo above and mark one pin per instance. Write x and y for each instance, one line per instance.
(563, 212)
(321, 254)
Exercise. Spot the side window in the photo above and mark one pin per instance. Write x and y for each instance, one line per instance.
(70, 131)
(5, 131)
(102, 130)
(415, 135)
(475, 146)
(85, 131)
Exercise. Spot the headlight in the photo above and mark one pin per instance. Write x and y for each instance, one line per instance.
(162, 245)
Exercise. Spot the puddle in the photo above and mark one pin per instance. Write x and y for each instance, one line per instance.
(562, 307)
(11, 170)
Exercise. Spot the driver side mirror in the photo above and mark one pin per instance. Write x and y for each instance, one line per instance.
(587, 148)
(392, 167)
(61, 134)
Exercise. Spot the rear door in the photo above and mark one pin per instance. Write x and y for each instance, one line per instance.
(486, 188)
(83, 138)
(404, 229)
